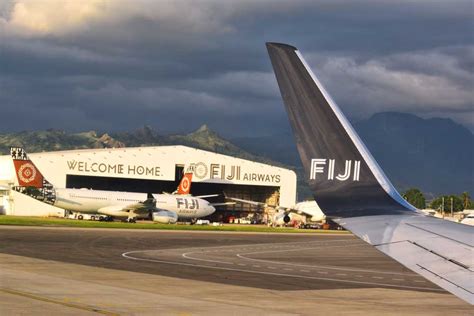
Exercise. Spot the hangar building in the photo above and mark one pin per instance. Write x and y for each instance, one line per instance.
(154, 170)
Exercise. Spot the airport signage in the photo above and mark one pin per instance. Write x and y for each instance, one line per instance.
(114, 169)
(231, 173)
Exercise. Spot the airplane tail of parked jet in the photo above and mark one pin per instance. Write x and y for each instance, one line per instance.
(352, 189)
(26, 172)
(184, 187)
(30, 180)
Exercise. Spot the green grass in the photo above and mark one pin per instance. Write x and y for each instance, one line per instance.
(61, 222)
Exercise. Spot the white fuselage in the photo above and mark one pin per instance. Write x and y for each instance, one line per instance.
(311, 210)
(116, 203)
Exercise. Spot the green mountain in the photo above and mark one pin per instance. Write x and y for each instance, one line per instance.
(55, 140)
(435, 155)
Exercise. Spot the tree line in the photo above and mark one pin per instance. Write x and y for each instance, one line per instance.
(441, 203)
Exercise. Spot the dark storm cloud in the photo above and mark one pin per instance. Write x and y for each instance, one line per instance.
(175, 65)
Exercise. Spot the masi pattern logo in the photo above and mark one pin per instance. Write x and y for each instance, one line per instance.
(352, 168)
(27, 172)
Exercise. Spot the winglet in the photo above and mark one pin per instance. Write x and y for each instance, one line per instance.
(344, 177)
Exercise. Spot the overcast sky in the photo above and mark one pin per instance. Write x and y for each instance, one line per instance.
(113, 65)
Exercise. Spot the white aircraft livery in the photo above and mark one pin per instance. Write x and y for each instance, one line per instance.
(283, 214)
(164, 208)
(353, 191)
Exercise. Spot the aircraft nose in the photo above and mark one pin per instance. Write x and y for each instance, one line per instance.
(212, 209)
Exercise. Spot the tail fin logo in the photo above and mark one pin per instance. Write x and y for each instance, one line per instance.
(318, 166)
(185, 184)
(27, 172)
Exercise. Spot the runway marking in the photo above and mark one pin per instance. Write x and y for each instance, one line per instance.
(398, 279)
(127, 255)
(186, 255)
(243, 256)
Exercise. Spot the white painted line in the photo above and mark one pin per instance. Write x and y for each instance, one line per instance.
(244, 256)
(127, 255)
(186, 255)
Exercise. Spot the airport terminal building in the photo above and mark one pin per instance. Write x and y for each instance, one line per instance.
(152, 170)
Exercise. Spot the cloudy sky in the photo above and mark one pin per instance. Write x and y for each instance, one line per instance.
(113, 65)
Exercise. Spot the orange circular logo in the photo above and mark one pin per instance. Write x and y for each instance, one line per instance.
(27, 173)
(185, 184)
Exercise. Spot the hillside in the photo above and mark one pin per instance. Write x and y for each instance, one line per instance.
(435, 155)
(55, 140)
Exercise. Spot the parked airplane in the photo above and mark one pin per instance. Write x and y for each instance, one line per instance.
(164, 208)
(352, 189)
(283, 216)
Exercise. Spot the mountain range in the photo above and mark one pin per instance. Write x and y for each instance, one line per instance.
(434, 155)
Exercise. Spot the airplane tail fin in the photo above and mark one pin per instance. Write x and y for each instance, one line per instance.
(26, 172)
(184, 187)
(344, 177)
(30, 180)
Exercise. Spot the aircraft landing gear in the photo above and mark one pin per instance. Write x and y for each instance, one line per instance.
(131, 220)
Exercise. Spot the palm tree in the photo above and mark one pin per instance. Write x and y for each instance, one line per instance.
(466, 200)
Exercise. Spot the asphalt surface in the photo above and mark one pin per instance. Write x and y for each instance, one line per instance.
(265, 261)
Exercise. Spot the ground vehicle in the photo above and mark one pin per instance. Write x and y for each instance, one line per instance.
(90, 217)
(468, 220)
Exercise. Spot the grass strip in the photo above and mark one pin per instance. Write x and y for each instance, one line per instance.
(62, 222)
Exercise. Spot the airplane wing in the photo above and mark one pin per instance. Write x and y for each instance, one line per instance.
(142, 207)
(352, 189)
(205, 196)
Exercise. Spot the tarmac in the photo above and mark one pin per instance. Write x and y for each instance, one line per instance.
(75, 271)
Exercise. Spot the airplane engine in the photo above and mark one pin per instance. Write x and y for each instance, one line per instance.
(165, 217)
(282, 219)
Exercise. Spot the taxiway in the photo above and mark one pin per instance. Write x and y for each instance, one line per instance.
(145, 272)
